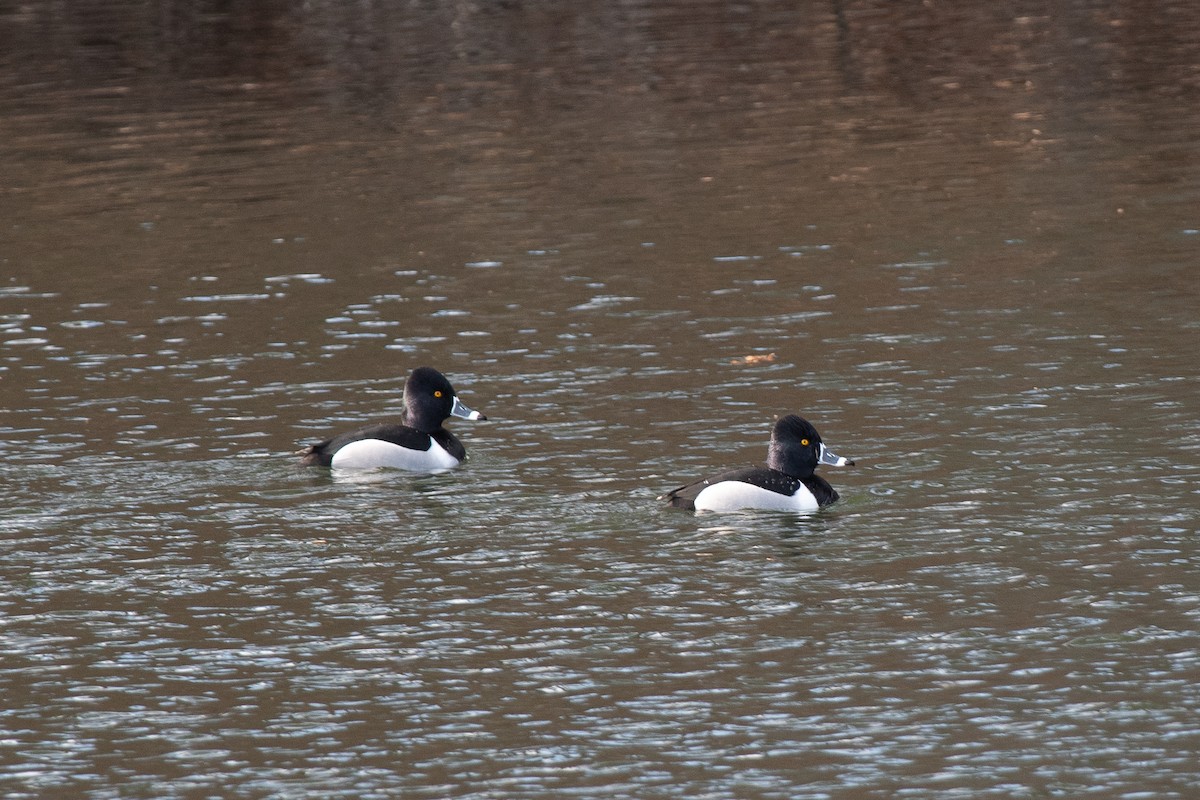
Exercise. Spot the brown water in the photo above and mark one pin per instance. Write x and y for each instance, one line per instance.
(969, 238)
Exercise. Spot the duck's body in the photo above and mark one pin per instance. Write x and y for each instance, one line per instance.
(755, 487)
(787, 482)
(420, 444)
(388, 445)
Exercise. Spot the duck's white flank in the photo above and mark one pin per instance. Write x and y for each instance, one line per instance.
(372, 453)
(734, 495)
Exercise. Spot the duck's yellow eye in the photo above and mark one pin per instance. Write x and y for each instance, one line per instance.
(804, 442)
(437, 392)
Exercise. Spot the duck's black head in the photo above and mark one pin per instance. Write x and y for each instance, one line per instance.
(796, 448)
(429, 400)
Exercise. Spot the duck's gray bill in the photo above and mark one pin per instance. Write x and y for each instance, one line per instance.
(833, 459)
(460, 410)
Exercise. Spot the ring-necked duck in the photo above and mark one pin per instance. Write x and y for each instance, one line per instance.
(421, 444)
(786, 483)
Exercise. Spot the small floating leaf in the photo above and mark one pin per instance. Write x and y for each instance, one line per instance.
(755, 358)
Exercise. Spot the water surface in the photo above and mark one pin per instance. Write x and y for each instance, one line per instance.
(962, 242)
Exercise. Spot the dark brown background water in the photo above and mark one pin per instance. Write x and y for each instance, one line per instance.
(969, 236)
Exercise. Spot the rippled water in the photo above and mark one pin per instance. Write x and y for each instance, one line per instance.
(964, 244)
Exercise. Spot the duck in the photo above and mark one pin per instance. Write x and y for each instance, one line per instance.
(418, 444)
(787, 482)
